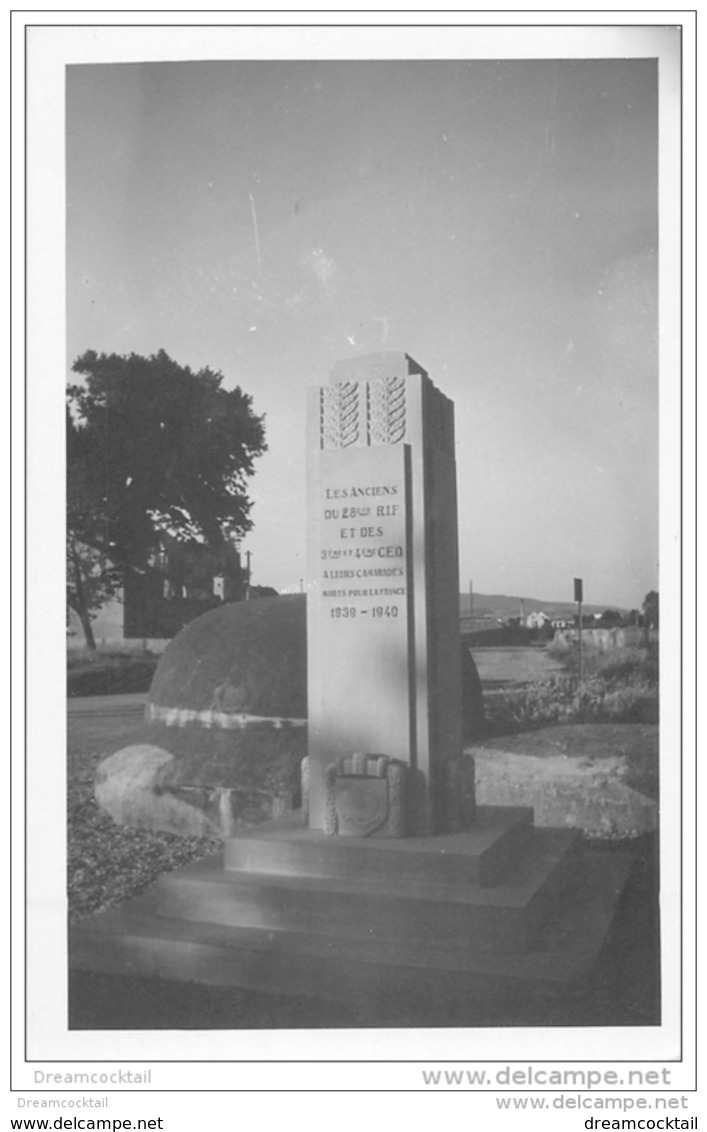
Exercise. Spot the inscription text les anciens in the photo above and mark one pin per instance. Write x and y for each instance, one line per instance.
(373, 535)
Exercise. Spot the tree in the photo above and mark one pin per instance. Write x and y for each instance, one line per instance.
(610, 618)
(650, 610)
(153, 449)
(90, 581)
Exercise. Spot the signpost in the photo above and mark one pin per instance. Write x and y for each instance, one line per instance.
(578, 598)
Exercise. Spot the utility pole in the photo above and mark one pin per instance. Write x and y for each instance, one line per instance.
(471, 598)
(247, 575)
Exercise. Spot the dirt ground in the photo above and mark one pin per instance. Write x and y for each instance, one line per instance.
(630, 748)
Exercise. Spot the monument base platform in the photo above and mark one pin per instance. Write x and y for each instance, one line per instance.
(407, 932)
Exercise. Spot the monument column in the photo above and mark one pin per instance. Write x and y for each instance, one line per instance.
(383, 586)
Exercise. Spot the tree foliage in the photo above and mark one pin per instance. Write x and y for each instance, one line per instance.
(610, 618)
(651, 604)
(154, 448)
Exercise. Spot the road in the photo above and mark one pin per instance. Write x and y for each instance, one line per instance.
(96, 721)
(512, 665)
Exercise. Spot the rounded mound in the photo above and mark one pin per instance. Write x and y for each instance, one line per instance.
(249, 657)
(225, 724)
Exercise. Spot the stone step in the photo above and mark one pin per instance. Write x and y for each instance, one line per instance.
(490, 853)
(406, 909)
(390, 982)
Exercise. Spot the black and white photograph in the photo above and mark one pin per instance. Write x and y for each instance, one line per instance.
(362, 436)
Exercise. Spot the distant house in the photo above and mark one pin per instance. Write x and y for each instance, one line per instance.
(184, 580)
(538, 620)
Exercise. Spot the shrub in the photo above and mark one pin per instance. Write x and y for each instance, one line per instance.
(628, 665)
(617, 689)
(620, 663)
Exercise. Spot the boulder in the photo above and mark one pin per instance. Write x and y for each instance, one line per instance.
(129, 788)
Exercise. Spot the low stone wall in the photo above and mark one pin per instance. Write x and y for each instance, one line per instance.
(602, 640)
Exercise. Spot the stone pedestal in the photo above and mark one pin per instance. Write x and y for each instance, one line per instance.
(412, 931)
(383, 586)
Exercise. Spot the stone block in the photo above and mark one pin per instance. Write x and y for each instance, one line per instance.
(383, 585)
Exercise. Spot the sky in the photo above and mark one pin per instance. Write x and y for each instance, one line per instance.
(498, 221)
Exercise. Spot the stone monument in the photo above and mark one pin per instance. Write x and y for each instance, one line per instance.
(390, 891)
(383, 585)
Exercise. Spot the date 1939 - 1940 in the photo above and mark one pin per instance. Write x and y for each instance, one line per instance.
(349, 612)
